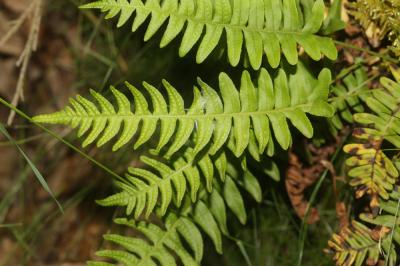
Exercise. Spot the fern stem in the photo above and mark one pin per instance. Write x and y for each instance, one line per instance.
(54, 135)
(350, 46)
(356, 91)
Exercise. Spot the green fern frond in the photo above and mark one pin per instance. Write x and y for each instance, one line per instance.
(385, 103)
(265, 26)
(208, 214)
(347, 98)
(354, 245)
(244, 117)
(165, 183)
(158, 246)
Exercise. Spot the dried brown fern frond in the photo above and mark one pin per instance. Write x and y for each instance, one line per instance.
(379, 17)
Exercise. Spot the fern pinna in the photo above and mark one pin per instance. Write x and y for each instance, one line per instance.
(234, 118)
(265, 26)
(374, 174)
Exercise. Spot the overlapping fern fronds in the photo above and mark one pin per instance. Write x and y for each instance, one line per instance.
(180, 238)
(165, 183)
(373, 173)
(347, 98)
(242, 118)
(157, 245)
(264, 26)
(389, 215)
(358, 245)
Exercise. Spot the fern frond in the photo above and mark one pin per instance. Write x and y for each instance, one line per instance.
(371, 171)
(355, 245)
(244, 117)
(265, 26)
(165, 183)
(362, 241)
(347, 98)
(385, 103)
(158, 246)
(209, 214)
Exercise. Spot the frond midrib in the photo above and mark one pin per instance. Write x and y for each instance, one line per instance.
(383, 134)
(391, 120)
(184, 116)
(217, 24)
(355, 92)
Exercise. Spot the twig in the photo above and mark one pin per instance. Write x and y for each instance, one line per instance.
(34, 9)
(17, 24)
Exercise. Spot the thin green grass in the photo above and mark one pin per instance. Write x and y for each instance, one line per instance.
(304, 224)
(54, 135)
(37, 173)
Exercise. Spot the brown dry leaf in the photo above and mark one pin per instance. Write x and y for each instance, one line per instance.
(299, 178)
(296, 183)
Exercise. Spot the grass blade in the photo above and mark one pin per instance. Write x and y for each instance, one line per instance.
(38, 175)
